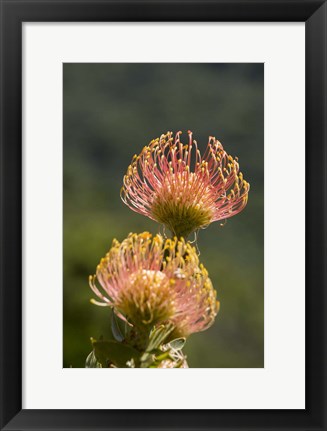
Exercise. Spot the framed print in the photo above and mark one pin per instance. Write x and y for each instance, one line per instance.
(163, 206)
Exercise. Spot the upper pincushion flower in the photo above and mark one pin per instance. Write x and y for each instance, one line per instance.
(171, 183)
(149, 280)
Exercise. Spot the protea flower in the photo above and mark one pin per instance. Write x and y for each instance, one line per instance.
(149, 280)
(174, 185)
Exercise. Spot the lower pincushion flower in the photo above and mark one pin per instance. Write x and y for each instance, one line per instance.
(173, 184)
(151, 280)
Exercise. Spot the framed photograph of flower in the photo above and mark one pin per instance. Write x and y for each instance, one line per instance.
(155, 274)
(163, 209)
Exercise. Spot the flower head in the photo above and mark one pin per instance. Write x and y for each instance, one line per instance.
(149, 280)
(171, 183)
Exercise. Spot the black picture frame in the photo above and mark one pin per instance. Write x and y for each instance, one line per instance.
(13, 14)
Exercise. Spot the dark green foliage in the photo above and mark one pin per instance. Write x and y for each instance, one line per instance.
(107, 354)
(113, 353)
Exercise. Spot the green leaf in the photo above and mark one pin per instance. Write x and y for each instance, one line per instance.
(177, 344)
(116, 332)
(112, 352)
(91, 361)
(163, 356)
(158, 335)
(156, 339)
(147, 359)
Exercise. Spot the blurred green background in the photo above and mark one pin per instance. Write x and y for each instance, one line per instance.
(110, 112)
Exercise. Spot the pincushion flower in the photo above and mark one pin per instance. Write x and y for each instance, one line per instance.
(175, 185)
(151, 280)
